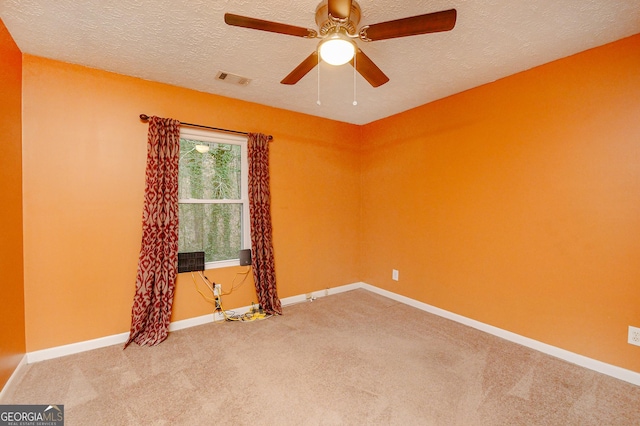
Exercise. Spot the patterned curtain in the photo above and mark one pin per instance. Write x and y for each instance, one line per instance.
(260, 211)
(157, 264)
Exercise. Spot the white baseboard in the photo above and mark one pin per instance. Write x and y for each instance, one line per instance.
(193, 322)
(320, 293)
(116, 339)
(74, 348)
(12, 378)
(583, 361)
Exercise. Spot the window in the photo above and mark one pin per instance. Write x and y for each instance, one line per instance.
(213, 196)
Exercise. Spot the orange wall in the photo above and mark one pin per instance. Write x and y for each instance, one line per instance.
(517, 203)
(84, 160)
(12, 332)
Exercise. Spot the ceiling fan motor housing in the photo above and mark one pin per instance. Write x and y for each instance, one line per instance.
(328, 24)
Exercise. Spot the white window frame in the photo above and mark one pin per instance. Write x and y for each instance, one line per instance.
(212, 136)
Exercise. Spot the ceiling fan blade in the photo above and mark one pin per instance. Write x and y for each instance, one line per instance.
(302, 69)
(273, 27)
(415, 25)
(369, 70)
(339, 9)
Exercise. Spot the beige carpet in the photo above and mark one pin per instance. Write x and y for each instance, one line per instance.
(354, 358)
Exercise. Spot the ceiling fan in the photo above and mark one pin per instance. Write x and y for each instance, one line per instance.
(337, 22)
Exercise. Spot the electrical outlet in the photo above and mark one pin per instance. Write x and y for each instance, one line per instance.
(217, 289)
(634, 336)
(395, 274)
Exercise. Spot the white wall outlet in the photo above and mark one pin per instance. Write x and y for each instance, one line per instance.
(217, 289)
(394, 274)
(634, 335)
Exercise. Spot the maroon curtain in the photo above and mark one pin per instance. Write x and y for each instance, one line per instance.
(157, 264)
(260, 211)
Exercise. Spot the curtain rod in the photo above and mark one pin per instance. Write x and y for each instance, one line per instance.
(145, 117)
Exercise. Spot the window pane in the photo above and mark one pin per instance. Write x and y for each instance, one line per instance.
(215, 229)
(212, 175)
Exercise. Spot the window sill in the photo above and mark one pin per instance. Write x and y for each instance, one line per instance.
(222, 264)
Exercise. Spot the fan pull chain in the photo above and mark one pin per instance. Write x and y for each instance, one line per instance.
(355, 101)
(318, 101)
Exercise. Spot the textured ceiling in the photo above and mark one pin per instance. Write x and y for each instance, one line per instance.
(187, 43)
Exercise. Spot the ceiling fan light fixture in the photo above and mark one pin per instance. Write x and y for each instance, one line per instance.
(337, 49)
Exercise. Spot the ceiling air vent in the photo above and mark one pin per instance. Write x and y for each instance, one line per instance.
(233, 78)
